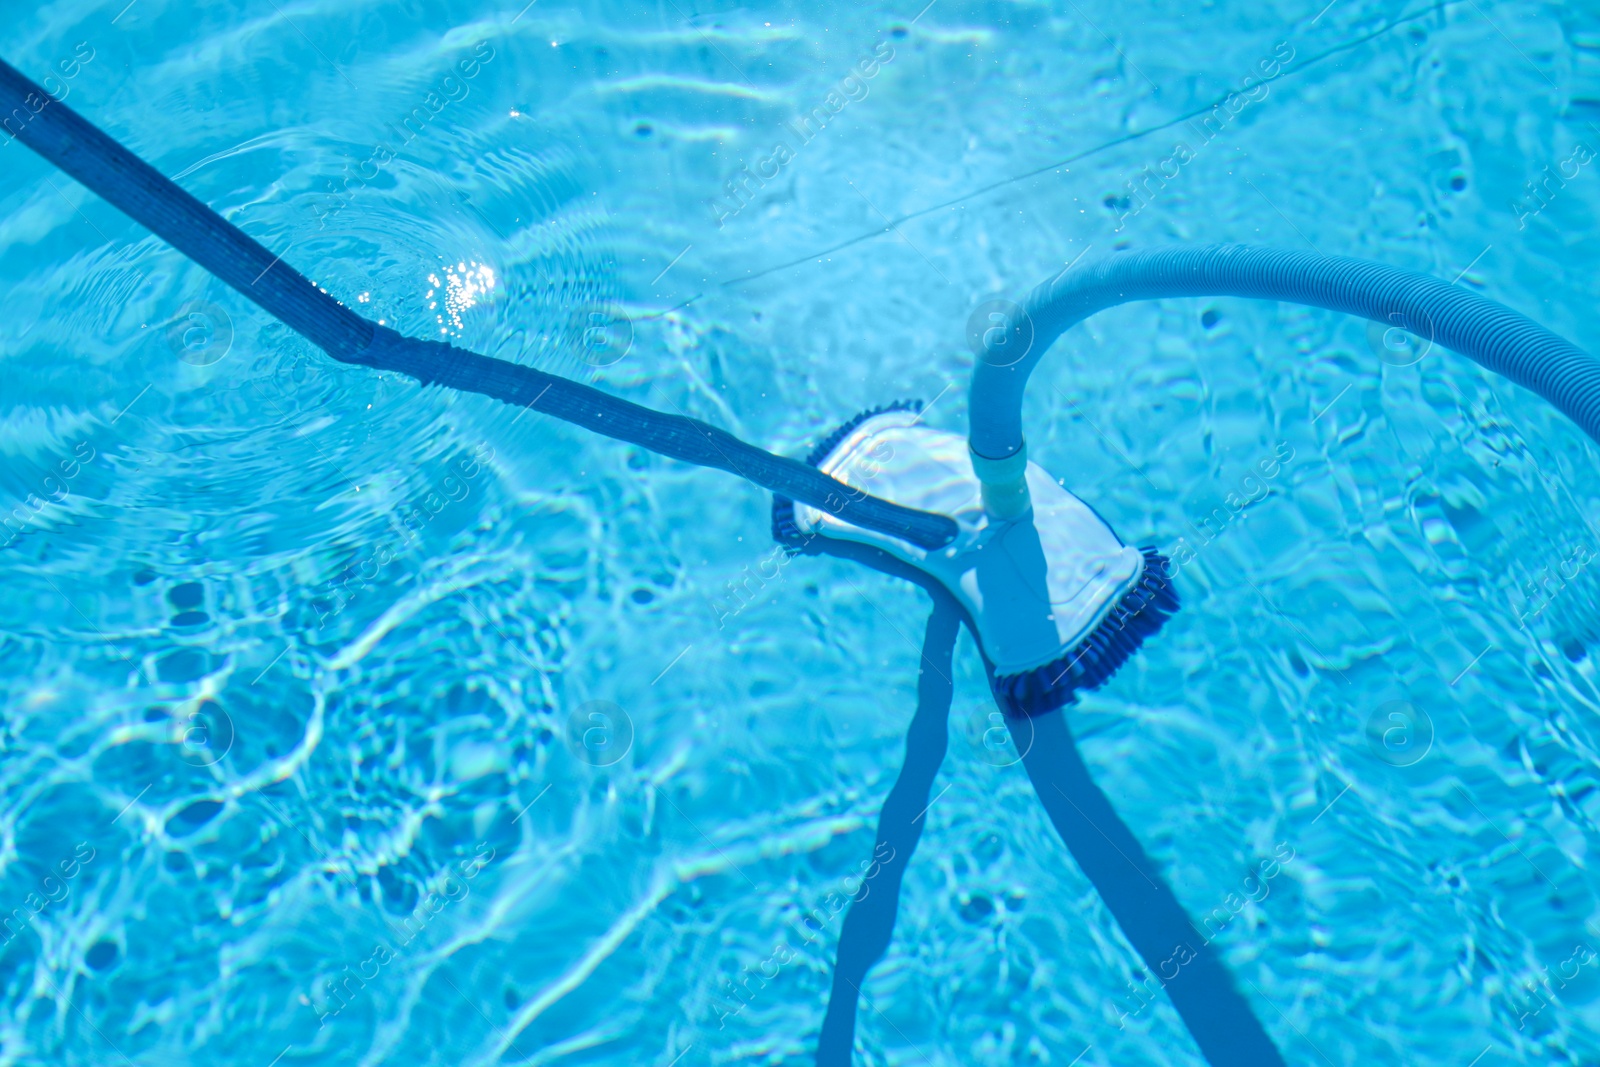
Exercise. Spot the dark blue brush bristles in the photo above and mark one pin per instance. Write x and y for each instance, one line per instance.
(1139, 614)
(785, 531)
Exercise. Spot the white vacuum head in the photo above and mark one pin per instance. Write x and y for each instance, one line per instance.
(1058, 602)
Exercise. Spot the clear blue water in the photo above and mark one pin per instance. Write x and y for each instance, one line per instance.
(298, 661)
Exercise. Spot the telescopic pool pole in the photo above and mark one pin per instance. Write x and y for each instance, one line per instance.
(66, 139)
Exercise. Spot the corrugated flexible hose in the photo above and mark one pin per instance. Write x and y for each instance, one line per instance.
(1507, 343)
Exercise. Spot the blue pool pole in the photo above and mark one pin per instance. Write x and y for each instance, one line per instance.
(1503, 341)
(66, 139)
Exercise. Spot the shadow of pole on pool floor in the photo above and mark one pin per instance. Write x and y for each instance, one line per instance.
(870, 921)
(1154, 922)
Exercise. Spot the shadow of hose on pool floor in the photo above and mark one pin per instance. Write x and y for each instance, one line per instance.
(1218, 1017)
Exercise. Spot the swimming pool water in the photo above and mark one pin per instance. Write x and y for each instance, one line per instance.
(349, 722)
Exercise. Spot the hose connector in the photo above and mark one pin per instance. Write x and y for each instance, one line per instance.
(1005, 483)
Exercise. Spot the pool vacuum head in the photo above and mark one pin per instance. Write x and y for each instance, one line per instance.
(1056, 600)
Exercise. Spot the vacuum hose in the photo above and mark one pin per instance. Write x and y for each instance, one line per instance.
(65, 138)
(1505, 342)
